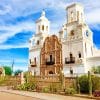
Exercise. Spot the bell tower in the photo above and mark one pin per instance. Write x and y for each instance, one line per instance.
(75, 13)
(42, 24)
(36, 43)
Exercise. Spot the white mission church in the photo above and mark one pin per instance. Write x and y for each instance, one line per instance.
(72, 51)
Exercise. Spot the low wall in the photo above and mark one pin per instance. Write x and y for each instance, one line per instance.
(41, 81)
(44, 81)
(10, 80)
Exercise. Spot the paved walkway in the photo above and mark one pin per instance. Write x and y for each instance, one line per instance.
(42, 96)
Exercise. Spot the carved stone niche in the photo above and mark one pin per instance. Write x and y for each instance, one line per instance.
(51, 56)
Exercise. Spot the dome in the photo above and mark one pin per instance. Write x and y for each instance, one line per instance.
(43, 17)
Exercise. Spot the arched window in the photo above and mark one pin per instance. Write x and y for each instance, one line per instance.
(35, 60)
(50, 72)
(0, 72)
(47, 28)
(79, 54)
(43, 27)
(38, 42)
(72, 15)
(30, 61)
(72, 32)
(51, 58)
(71, 71)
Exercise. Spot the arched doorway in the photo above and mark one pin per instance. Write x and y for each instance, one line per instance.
(50, 72)
(0, 73)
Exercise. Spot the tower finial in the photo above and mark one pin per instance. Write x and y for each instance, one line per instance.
(43, 13)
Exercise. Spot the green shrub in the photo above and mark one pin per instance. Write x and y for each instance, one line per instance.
(26, 87)
(95, 83)
(8, 70)
(46, 89)
(54, 87)
(70, 91)
(84, 83)
(2, 80)
(84, 86)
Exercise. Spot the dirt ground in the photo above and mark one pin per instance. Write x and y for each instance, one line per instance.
(8, 96)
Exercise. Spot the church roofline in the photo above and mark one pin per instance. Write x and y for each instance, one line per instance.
(73, 4)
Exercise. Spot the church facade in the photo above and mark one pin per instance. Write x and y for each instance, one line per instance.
(72, 51)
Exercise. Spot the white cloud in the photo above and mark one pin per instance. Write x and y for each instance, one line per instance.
(6, 9)
(3, 47)
(16, 8)
(15, 29)
(93, 17)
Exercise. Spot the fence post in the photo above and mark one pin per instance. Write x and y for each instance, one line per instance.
(90, 83)
(22, 78)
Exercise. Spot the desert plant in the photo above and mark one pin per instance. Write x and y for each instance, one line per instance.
(90, 83)
(26, 87)
(83, 82)
(46, 89)
(2, 80)
(54, 87)
(77, 86)
(70, 91)
(95, 83)
(96, 69)
(17, 72)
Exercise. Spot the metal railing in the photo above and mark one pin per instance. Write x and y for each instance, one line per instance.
(69, 60)
(33, 64)
(50, 62)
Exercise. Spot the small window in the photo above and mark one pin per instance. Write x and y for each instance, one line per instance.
(35, 60)
(72, 32)
(43, 27)
(30, 61)
(50, 57)
(38, 42)
(0, 72)
(50, 72)
(72, 15)
(47, 28)
(79, 55)
(71, 71)
(71, 55)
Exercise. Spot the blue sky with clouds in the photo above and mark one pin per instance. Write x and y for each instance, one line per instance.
(17, 25)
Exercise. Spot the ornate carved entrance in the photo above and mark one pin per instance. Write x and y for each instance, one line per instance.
(51, 56)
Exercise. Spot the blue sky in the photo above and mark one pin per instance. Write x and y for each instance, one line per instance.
(17, 25)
